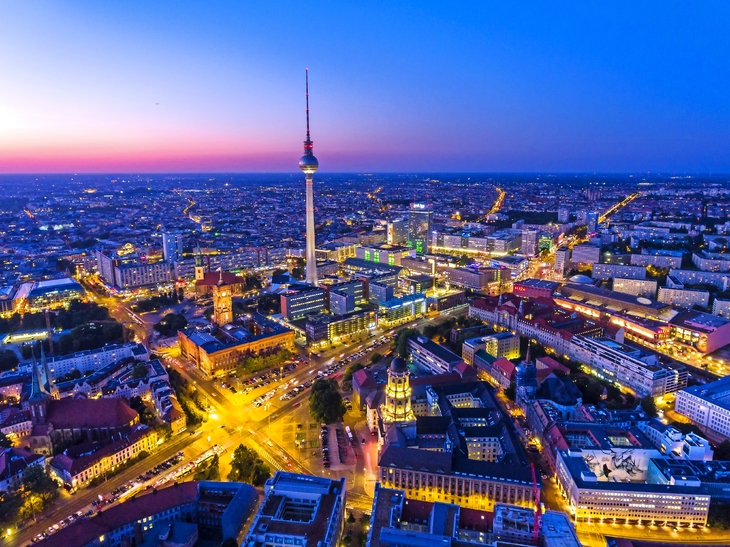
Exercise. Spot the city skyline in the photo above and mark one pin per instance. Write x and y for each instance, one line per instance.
(478, 88)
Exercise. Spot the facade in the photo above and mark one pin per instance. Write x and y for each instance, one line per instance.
(585, 254)
(329, 328)
(299, 510)
(420, 227)
(663, 260)
(707, 406)
(431, 356)
(711, 262)
(629, 367)
(51, 294)
(529, 243)
(474, 278)
(635, 287)
(675, 444)
(397, 232)
(503, 344)
(535, 288)
(608, 271)
(401, 310)
(721, 307)
(89, 361)
(220, 353)
(702, 331)
(128, 276)
(172, 246)
(721, 280)
(302, 300)
(221, 507)
(397, 405)
(384, 253)
(683, 298)
(562, 260)
(222, 303)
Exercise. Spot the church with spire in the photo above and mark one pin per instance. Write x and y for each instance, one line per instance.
(206, 280)
(56, 421)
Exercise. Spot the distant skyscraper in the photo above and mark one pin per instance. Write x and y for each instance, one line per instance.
(172, 246)
(529, 242)
(562, 259)
(592, 221)
(397, 232)
(309, 164)
(563, 214)
(420, 225)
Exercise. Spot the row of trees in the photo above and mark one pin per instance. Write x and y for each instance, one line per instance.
(77, 313)
(254, 363)
(191, 402)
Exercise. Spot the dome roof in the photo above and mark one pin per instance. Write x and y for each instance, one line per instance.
(398, 365)
(580, 278)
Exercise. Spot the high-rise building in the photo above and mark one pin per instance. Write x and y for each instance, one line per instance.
(529, 242)
(592, 221)
(172, 246)
(563, 214)
(309, 165)
(562, 259)
(420, 225)
(397, 232)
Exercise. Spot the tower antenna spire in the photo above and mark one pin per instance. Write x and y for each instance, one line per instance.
(306, 93)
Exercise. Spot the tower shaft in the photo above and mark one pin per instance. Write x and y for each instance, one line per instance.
(311, 272)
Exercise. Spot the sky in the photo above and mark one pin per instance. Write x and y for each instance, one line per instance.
(178, 86)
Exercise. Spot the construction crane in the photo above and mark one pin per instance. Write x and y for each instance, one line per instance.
(538, 509)
(258, 251)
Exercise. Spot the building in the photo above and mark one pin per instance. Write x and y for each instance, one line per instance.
(721, 280)
(585, 254)
(628, 366)
(331, 328)
(402, 309)
(221, 351)
(222, 508)
(397, 232)
(503, 344)
(222, 303)
(420, 227)
(78, 465)
(13, 463)
(721, 307)
(636, 287)
(711, 262)
(302, 300)
(51, 294)
(592, 221)
(384, 253)
(562, 260)
(683, 298)
(707, 406)
(91, 360)
(309, 165)
(431, 356)
(299, 510)
(475, 278)
(620, 491)
(675, 444)
(172, 246)
(535, 288)
(529, 243)
(397, 404)
(660, 258)
(702, 331)
(608, 271)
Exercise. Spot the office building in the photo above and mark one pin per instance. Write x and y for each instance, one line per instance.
(402, 309)
(420, 226)
(636, 287)
(172, 246)
(585, 254)
(608, 271)
(503, 344)
(331, 328)
(562, 260)
(431, 356)
(173, 513)
(419, 283)
(673, 443)
(707, 406)
(628, 366)
(683, 298)
(563, 214)
(535, 288)
(397, 232)
(529, 243)
(299, 510)
(592, 221)
(384, 253)
(91, 360)
(701, 331)
(302, 300)
(475, 278)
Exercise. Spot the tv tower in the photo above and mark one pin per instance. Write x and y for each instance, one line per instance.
(309, 164)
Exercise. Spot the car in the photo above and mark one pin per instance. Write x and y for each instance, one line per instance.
(362, 441)
(271, 445)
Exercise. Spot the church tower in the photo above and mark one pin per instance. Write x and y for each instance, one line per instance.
(199, 264)
(397, 406)
(222, 303)
(39, 397)
(48, 381)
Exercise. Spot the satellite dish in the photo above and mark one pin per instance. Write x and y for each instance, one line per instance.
(642, 300)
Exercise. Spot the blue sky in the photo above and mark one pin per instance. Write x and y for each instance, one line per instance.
(395, 86)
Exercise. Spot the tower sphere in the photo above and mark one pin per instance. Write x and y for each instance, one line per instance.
(398, 365)
(308, 164)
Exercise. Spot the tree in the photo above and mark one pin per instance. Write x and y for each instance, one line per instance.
(375, 357)
(401, 341)
(8, 360)
(352, 369)
(649, 406)
(139, 371)
(171, 323)
(247, 467)
(511, 391)
(325, 402)
(4, 441)
(722, 452)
